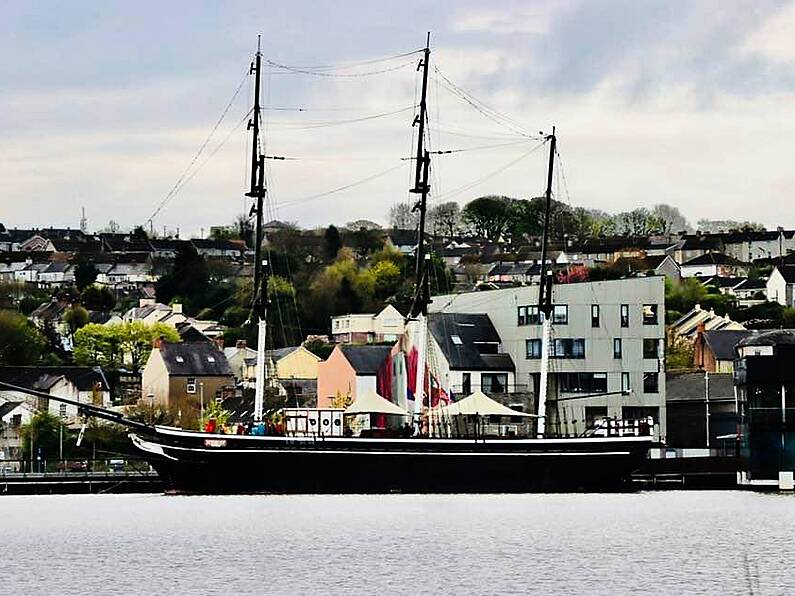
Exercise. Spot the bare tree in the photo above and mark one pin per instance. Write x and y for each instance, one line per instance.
(671, 218)
(445, 218)
(402, 216)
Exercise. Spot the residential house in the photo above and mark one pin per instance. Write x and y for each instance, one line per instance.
(750, 292)
(242, 361)
(701, 410)
(607, 338)
(663, 264)
(687, 326)
(713, 351)
(296, 370)
(56, 274)
(714, 264)
(404, 241)
(211, 247)
(348, 371)
(781, 285)
(385, 326)
(185, 374)
(752, 245)
(695, 245)
(465, 355)
(13, 414)
(79, 383)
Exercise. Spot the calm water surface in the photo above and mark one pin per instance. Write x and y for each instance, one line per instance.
(655, 543)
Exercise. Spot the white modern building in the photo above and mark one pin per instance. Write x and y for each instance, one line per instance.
(385, 326)
(607, 346)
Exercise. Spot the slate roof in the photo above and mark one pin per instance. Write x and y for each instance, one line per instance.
(752, 284)
(280, 353)
(7, 407)
(44, 377)
(713, 258)
(723, 341)
(691, 386)
(366, 360)
(769, 338)
(788, 273)
(471, 329)
(195, 359)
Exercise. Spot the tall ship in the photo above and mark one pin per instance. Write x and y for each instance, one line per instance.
(429, 451)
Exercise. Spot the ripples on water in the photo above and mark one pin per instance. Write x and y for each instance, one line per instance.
(654, 543)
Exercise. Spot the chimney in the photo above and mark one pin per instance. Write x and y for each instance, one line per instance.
(240, 344)
(157, 343)
(701, 327)
(176, 307)
(219, 342)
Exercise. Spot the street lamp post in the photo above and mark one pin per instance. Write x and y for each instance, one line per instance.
(201, 404)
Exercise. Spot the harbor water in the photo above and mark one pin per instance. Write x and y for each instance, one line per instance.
(652, 543)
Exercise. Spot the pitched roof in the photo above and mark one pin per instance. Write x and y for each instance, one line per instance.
(366, 360)
(769, 338)
(787, 272)
(195, 359)
(458, 336)
(692, 386)
(7, 407)
(723, 341)
(44, 377)
(752, 284)
(713, 258)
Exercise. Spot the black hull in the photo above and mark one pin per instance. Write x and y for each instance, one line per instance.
(263, 465)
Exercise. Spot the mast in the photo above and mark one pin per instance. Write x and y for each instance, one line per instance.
(419, 310)
(545, 294)
(257, 191)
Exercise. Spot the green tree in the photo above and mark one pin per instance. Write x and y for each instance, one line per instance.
(75, 318)
(85, 274)
(332, 242)
(20, 342)
(98, 298)
(114, 346)
(189, 279)
(43, 433)
(387, 278)
(490, 216)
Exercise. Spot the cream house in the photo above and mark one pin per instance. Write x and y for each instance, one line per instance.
(385, 326)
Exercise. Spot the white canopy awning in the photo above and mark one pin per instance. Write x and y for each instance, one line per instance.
(480, 404)
(369, 402)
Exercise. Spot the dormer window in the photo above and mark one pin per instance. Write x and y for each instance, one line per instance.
(180, 359)
(456, 339)
(210, 358)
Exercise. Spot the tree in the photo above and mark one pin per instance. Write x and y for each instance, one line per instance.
(402, 216)
(387, 278)
(75, 318)
(85, 274)
(670, 218)
(332, 242)
(362, 224)
(638, 222)
(188, 280)
(445, 218)
(21, 343)
(98, 298)
(43, 433)
(490, 216)
(717, 226)
(114, 346)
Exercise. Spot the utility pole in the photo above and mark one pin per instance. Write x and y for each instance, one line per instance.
(423, 161)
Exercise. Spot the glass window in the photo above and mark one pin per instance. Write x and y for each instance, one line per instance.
(651, 382)
(527, 315)
(625, 315)
(62, 410)
(583, 382)
(617, 347)
(625, 386)
(560, 314)
(640, 413)
(190, 385)
(456, 339)
(651, 348)
(466, 387)
(594, 315)
(568, 348)
(594, 414)
(533, 348)
(649, 314)
(494, 382)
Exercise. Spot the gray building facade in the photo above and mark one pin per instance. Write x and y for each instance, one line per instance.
(606, 350)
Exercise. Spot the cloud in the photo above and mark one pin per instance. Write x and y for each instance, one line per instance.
(522, 17)
(773, 40)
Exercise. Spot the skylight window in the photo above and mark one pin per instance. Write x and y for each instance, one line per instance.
(210, 358)
(180, 359)
(457, 340)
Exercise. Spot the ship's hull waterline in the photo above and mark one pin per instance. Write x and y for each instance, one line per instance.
(192, 462)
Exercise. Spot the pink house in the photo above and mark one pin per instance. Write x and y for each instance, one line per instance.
(349, 370)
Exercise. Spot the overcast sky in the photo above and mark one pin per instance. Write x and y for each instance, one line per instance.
(104, 105)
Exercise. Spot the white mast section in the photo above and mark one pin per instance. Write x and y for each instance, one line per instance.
(546, 329)
(422, 341)
(259, 386)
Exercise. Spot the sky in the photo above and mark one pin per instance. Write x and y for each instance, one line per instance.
(104, 106)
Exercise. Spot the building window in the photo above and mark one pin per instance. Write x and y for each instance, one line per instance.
(494, 382)
(568, 348)
(593, 414)
(641, 413)
(62, 410)
(466, 386)
(625, 386)
(625, 315)
(190, 385)
(617, 348)
(528, 315)
(533, 348)
(594, 315)
(583, 382)
(651, 382)
(560, 314)
(649, 314)
(651, 348)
